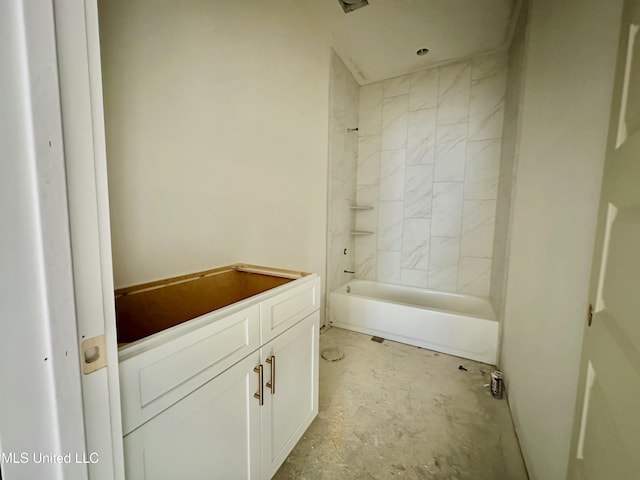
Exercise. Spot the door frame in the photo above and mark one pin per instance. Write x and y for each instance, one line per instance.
(80, 78)
(42, 397)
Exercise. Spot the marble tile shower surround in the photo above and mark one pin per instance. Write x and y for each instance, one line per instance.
(343, 145)
(428, 159)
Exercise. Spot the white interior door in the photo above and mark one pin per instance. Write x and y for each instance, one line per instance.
(77, 42)
(606, 441)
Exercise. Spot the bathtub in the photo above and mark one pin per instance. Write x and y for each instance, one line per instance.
(460, 325)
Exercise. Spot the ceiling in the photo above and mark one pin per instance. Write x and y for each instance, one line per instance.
(380, 41)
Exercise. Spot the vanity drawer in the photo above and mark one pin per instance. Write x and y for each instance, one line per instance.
(284, 310)
(155, 379)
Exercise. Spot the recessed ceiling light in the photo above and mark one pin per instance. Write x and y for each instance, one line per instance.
(422, 51)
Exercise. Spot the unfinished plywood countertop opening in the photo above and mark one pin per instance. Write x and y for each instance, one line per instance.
(143, 310)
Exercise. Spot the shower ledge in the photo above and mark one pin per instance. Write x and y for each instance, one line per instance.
(361, 207)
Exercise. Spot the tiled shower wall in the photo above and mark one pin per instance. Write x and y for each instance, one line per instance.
(428, 161)
(343, 105)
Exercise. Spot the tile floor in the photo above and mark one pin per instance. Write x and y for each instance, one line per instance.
(389, 410)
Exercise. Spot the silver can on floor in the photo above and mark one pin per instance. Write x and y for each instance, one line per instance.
(497, 386)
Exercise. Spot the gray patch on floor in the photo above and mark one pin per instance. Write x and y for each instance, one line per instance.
(332, 354)
(390, 410)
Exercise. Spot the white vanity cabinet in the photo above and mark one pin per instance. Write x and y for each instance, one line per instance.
(291, 406)
(230, 396)
(213, 433)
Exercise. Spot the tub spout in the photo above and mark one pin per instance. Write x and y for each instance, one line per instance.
(348, 271)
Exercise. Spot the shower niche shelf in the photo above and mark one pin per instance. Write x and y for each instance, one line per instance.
(361, 207)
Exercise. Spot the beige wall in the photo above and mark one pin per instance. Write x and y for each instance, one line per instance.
(216, 121)
(569, 69)
(508, 156)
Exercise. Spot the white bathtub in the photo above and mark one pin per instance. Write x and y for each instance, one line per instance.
(461, 325)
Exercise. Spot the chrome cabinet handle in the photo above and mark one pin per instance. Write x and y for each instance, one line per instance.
(260, 394)
(272, 383)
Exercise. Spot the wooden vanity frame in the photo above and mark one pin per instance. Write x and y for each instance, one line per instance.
(149, 308)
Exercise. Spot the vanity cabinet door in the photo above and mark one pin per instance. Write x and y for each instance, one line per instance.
(291, 406)
(213, 433)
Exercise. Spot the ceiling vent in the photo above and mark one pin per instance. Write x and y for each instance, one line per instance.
(351, 5)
